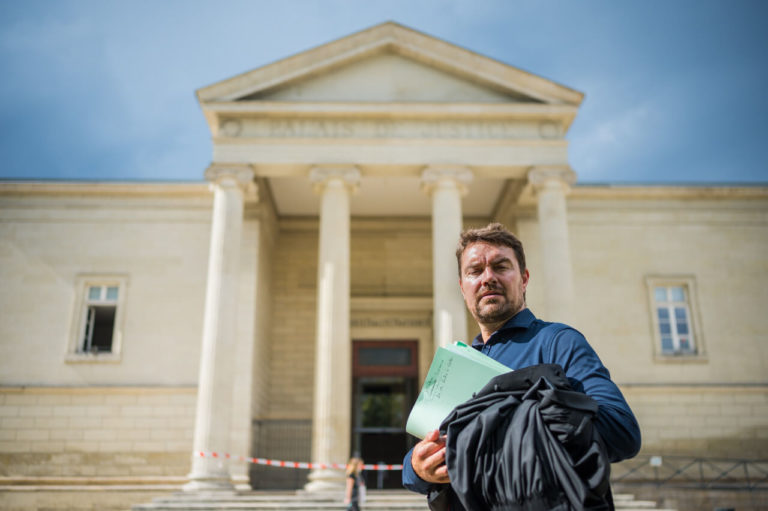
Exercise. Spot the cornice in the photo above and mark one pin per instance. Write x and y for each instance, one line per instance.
(660, 192)
(23, 388)
(399, 110)
(103, 189)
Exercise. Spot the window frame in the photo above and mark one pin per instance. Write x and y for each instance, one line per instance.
(83, 283)
(409, 370)
(688, 283)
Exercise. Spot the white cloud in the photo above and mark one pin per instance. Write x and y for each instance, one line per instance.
(101, 81)
(598, 149)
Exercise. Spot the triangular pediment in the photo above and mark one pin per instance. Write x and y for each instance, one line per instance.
(390, 63)
(388, 77)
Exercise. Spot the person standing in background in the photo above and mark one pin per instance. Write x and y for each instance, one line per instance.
(355, 492)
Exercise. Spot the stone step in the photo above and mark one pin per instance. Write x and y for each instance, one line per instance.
(271, 506)
(294, 501)
(378, 500)
(627, 502)
(635, 504)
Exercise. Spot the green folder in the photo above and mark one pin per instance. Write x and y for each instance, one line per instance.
(456, 372)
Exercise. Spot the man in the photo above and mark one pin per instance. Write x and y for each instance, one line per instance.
(493, 280)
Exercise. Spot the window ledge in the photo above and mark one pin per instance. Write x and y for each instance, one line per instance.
(681, 359)
(93, 358)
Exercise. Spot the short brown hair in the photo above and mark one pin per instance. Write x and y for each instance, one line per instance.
(493, 234)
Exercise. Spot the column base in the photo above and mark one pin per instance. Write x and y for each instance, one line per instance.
(209, 483)
(326, 480)
(241, 483)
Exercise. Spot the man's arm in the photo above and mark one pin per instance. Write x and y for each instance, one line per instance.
(615, 421)
(424, 465)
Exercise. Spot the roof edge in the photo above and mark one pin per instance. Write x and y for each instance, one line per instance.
(407, 41)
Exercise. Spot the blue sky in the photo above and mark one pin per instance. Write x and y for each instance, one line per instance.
(676, 91)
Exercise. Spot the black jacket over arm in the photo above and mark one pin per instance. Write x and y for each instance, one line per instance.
(525, 441)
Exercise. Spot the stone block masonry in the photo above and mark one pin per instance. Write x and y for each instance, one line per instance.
(729, 421)
(96, 432)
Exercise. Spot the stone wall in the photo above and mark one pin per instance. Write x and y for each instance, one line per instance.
(292, 342)
(702, 421)
(154, 237)
(391, 258)
(96, 432)
(693, 499)
(714, 404)
(718, 244)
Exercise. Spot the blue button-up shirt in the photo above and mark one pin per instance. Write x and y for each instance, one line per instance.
(525, 341)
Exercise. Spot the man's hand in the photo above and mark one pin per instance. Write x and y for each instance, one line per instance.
(428, 459)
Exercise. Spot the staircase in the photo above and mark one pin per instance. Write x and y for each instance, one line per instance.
(378, 500)
(627, 502)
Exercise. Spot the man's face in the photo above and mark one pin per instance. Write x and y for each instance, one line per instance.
(491, 282)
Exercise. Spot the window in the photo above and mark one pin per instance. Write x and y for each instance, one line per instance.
(674, 320)
(675, 326)
(97, 326)
(101, 306)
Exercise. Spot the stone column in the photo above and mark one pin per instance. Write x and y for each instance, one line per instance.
(446, 184)
(332, 412)
(552, 185)
(251, 358)
(214, 392)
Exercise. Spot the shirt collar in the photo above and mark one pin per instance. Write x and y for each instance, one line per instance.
(522, 319)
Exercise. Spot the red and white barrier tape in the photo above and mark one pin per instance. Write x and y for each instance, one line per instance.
(292, 464)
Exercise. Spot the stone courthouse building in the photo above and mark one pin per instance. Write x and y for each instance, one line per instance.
(288, 307)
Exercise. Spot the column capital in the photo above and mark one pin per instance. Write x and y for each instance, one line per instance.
(321, 175)
(436, 176)
(231, 175)
(545, 175)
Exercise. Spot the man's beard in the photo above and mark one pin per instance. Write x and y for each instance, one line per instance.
(493, 313)
(500, 310)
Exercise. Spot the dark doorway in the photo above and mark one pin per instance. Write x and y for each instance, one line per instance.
(384, 389)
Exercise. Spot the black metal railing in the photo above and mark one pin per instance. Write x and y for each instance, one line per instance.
(281, 439)
(688, 472)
